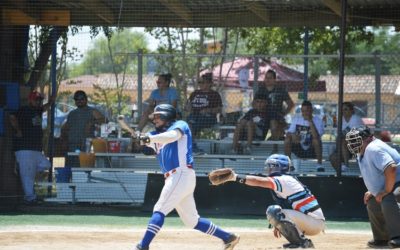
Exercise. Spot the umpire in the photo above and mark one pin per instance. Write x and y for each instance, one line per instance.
(379, 166)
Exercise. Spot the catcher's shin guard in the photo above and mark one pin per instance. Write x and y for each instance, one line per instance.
(287, 228)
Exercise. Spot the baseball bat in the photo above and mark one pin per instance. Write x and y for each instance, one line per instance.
(124, 125)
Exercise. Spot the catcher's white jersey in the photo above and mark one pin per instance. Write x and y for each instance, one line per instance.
(299, 197)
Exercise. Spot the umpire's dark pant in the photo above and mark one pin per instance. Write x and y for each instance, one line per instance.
(385, 216)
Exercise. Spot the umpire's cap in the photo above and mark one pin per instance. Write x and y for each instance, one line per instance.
(167, 112)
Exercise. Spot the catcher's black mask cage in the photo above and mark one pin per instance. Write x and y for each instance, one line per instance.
(355, 138)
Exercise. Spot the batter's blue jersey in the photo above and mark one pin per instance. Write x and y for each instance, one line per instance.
(177, 153)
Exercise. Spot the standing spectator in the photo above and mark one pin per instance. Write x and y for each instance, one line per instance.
(172, 142)
(279, 104)
(379, 166)
(27, 142)
(349, 120)
(251, 126)
(80, 125)
(164, 94)
(304, 135)
(203, 104)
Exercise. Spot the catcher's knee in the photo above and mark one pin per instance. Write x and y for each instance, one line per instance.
(274, 214)
(287, 228)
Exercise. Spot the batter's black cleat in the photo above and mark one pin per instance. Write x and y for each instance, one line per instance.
(231, 242)
(307, 243)
(377, 243)
(394, 243)
(139, 247)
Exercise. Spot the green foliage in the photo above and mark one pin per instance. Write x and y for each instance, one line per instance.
(97, 59)
(286, 41)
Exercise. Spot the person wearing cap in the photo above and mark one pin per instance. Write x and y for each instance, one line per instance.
(80, 125)
(27, 142)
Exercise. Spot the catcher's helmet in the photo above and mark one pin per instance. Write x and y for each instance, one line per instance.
(167, 112)
(355, 137)
(278, 163)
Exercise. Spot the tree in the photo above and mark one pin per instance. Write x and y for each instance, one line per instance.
(290, 41)
(97, 59)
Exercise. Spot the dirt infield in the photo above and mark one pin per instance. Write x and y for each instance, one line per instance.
(62, 238)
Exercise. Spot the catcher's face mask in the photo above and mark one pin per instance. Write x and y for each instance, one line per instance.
(277, 164)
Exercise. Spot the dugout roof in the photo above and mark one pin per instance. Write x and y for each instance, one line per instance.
(199, 13)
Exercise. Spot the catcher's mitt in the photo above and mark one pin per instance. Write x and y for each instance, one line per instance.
(221, 175)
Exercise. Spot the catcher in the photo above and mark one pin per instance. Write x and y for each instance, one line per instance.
(297, 212)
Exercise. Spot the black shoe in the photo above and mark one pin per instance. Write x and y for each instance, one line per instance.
(231, 242)
(377, 243)
(307, 243)
(394, 243)
(139, 247)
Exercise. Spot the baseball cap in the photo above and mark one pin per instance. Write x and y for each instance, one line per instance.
(34, 96)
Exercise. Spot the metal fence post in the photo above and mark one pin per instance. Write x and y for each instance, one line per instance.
(140, 82)
(378, 65)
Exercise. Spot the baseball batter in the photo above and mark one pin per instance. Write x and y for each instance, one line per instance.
(379, 167)
(297, 212)
(172, 142)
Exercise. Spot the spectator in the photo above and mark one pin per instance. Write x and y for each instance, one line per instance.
(251, 126)
(279, 104)
(379, 166)
(27, 143)
(349, 120)
(304, 135)
(203, 105)
(80, 125)
(164, 94)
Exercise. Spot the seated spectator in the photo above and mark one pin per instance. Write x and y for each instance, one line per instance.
(349, 120)
(279, 104)
(203, 106)
(251, 126)
(163, 94)
(304, 135)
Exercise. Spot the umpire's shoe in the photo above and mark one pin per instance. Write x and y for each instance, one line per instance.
(394, 243)
(139, 247)
(231, 242)
(377, 244)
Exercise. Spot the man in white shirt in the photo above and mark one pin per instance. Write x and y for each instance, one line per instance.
(304, 135)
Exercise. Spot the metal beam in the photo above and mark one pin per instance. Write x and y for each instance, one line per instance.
(335, 6)
(100, 9)
(43, 17)
(179, 9)
(258, 9)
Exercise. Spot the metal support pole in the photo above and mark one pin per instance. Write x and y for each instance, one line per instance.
(255, 78)
(378, 101)
(140, 83)
(341, 81)
(50, 120)
(306, 51)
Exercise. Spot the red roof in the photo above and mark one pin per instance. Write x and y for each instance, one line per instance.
(291, 78)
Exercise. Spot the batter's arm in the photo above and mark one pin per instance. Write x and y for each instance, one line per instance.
(166, 137)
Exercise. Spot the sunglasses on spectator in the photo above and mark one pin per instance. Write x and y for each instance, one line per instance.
(79, 99)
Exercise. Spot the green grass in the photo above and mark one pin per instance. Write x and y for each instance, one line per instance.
(139, 219)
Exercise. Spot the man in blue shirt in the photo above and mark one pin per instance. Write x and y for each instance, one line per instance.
(379, 166)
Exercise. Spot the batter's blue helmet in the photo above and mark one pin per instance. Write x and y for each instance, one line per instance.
(355, 138)
(167, 112)
(278, 163)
